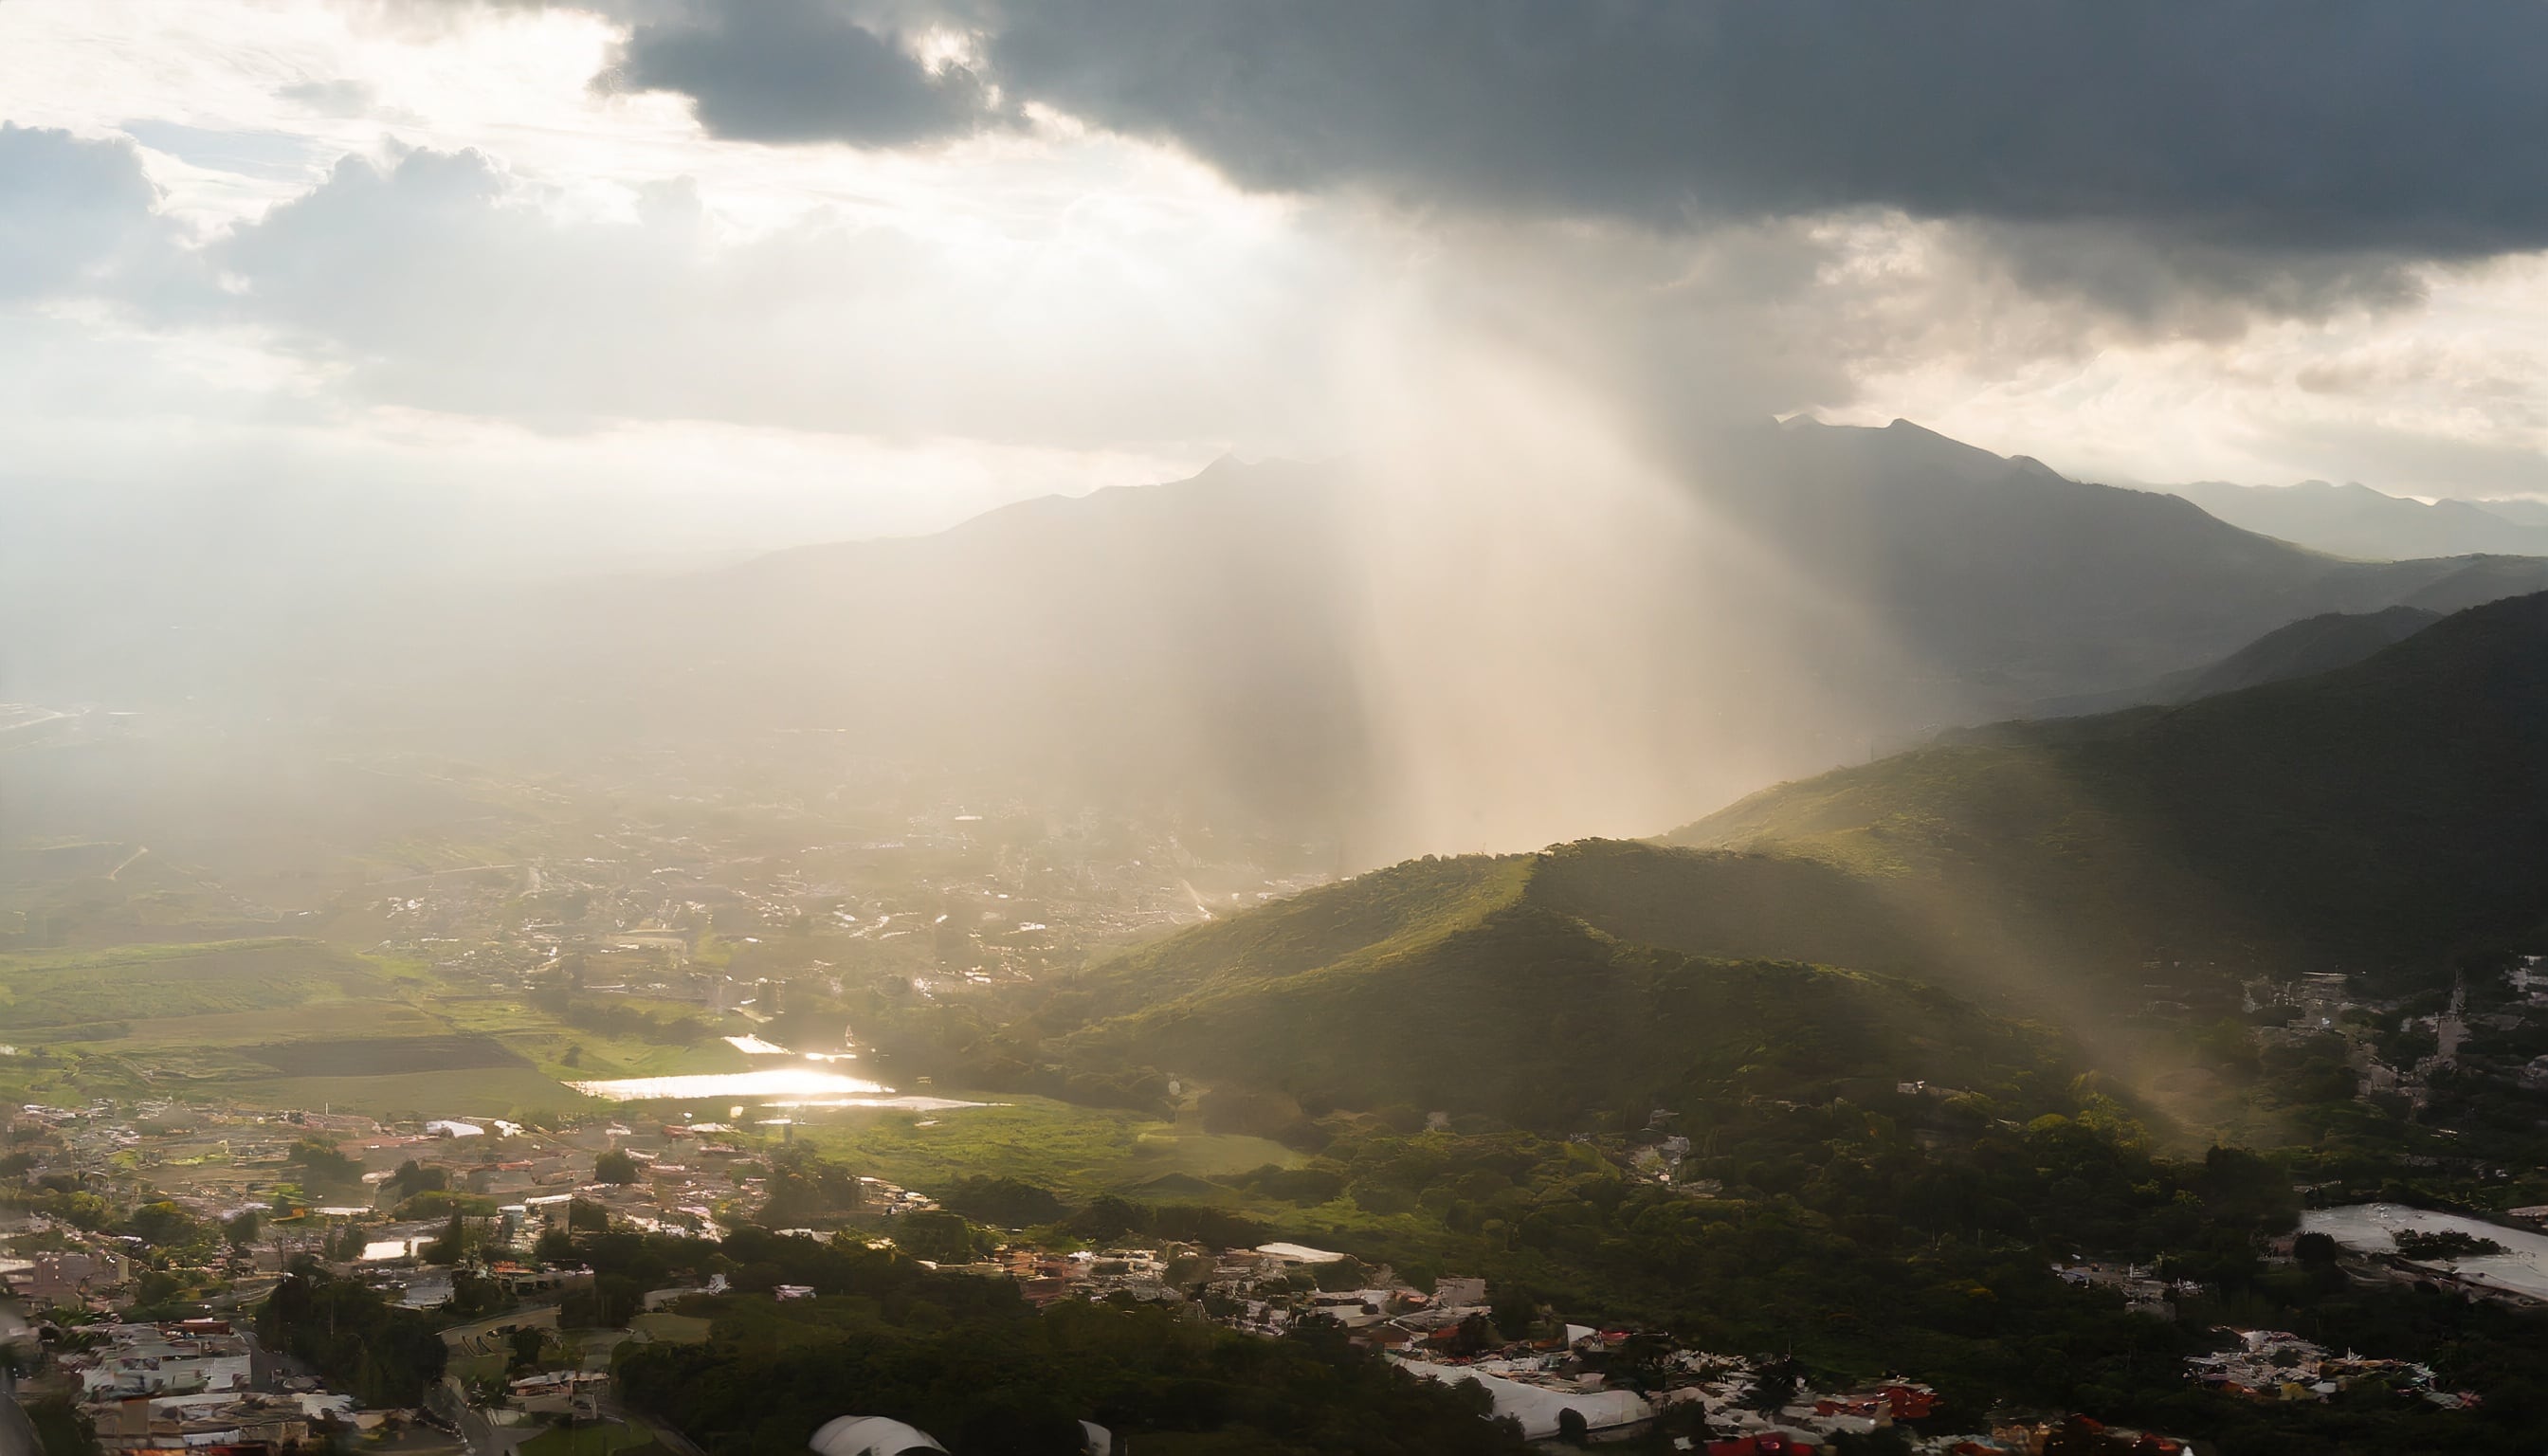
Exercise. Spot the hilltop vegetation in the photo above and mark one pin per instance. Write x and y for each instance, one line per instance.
(2387, 813)
(1543, 989)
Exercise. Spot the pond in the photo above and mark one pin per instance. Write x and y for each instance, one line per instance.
(788, 1081)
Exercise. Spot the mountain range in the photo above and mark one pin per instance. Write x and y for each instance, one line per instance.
(2358, 522)
(1310, 647)
(1923, 918)
(2388, 813)
(1383, 660)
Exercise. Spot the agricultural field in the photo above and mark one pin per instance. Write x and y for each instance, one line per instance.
(272, 1023)
(1059, 1145)
(65, 995)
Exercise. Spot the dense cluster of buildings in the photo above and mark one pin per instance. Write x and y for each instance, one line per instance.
(2275, 1365)
(203, 1385)
(1566, 1381)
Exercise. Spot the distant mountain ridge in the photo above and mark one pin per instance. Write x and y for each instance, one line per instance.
(1342, 654)
(2358, 522)
(2318, 644)
(1241, 640)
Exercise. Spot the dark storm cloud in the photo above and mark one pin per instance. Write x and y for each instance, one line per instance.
(803, 70)
(2292, 124)
(2298, 125)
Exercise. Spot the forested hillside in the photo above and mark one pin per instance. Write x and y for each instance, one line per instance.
(2388, 813)
(1594, 980)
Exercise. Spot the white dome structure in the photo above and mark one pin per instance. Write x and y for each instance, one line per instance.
(871, 1436)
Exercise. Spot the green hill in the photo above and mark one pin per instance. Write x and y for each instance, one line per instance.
(2389, 813)
(1542, 988)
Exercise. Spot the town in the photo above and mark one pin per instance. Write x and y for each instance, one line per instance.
(147, 1238)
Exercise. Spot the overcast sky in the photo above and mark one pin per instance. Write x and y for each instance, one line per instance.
(776, 269)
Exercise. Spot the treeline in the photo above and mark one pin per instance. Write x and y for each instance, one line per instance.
(616, 1019)
(1868, 1245)
(1001, 1378)
(561, 994)
(1865, 1243)
(353, 1337)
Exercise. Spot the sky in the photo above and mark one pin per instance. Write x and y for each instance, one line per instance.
(676, 276)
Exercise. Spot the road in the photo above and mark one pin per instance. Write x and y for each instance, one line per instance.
(484, 1438)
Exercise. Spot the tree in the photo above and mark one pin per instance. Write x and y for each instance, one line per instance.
(413, 1178)
(615, 1166)
(344, 1241)
(1006, 1203)
(164, 1225)
(610, 1302)
(359, 1342)
(1775, 1382)
(804, 1186)
(936, 1234)
(526, 1350)
(452, 1245)
(1107, 1218)
(1517, 1311)
(242, 1229)
(62, 1428)
(1476, 1335)
(323, 1166)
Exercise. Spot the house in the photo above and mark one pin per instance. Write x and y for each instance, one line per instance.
(200, 1355)
(52, 1279)
(213, 1421)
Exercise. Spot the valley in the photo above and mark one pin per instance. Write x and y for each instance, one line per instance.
(1864, 1082)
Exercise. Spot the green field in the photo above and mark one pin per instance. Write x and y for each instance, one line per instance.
(268, 1022)
(544, 1041)
(1075, 1149)
(597, 1439)
(61, 992)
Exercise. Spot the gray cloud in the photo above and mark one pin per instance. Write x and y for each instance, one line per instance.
(2289, 151)
(71, 211)
(803, 70)
(2297, 124)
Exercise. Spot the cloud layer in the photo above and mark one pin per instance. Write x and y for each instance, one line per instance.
(2294, 126)
(804, 71)
(2259, 238)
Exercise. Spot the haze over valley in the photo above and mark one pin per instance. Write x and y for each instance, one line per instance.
(876, 728)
